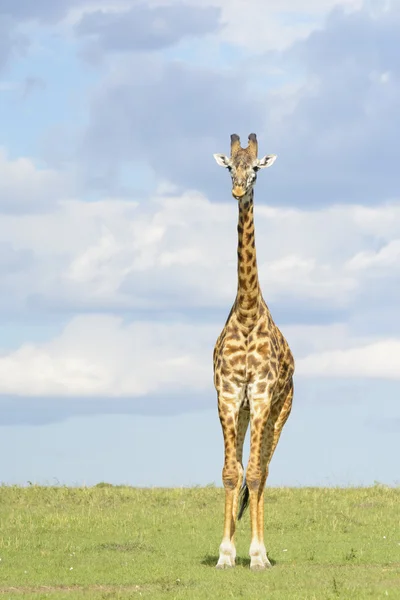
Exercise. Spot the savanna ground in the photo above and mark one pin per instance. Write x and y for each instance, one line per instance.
(121, 542)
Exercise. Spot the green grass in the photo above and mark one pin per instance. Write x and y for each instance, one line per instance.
(120, 542)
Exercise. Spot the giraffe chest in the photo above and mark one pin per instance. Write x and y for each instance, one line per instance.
(242, 360)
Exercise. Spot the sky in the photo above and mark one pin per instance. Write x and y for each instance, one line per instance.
(118, 233)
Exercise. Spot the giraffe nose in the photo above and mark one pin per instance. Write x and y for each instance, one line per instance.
(238, 192)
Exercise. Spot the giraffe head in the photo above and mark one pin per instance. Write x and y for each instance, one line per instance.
(243, 165)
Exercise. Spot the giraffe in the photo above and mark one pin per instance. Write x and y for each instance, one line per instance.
(253, 372)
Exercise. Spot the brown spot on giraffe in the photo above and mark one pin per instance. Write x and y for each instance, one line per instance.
(253, 362)
(262, 334)
(223, 410)
(261, 387)
(253, 378)
(263, 349)
(227, 387)
(225, 371)
(232, 349)
(235, 336)
(252, 302)
(253, 279)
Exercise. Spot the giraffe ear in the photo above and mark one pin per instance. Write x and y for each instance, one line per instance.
(222, 160)
(265, 161)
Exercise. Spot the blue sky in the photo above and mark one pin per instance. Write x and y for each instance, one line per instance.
(118, 233)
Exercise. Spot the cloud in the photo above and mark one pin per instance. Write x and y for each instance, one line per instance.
(178, 253)
(388, 256)
(380, 359)
(14, 261)
(46, 11)
(324, 106)
(103, 363)
(15, 41)
(335, 132)
(27, 189)
(15, 15)
(171, 117)
(31, 84)
(327, 105)
(12, 43)
(259, 26)
(101, 356)
(145, 28)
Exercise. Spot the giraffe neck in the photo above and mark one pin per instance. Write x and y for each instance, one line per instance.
(249, 293)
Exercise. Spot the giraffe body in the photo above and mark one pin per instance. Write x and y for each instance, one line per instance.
(253, 372)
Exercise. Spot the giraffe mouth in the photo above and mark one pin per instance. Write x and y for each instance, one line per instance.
(238, 193)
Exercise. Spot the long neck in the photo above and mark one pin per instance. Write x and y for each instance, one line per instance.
(249, 293)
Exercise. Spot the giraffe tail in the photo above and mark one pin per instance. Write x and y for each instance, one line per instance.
(244, 499)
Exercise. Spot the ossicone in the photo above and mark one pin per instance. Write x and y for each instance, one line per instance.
(235, 143)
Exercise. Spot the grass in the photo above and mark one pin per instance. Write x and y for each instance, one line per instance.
(119, 542)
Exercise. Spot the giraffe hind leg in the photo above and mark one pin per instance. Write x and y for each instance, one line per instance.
(243, 495)
(243, 423)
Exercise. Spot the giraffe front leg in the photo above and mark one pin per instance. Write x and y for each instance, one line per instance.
(231, 480)
(227, 550)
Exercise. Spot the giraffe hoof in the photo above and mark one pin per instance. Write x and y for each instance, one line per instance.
(221, 566)
(227, 555)
(225, 561)
(258, 567)
(259, 562)
(267, 564)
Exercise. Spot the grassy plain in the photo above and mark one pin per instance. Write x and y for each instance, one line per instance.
(120, 542)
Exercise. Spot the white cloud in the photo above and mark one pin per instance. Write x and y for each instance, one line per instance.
(337, 351)
(26, 188)
(321, 105)
(101, 356)
(255, 26)
(180, 251)
(388, 256)
(344, 107)
(259, 26)
(77, 11)
(380, 359)
(240, 27)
